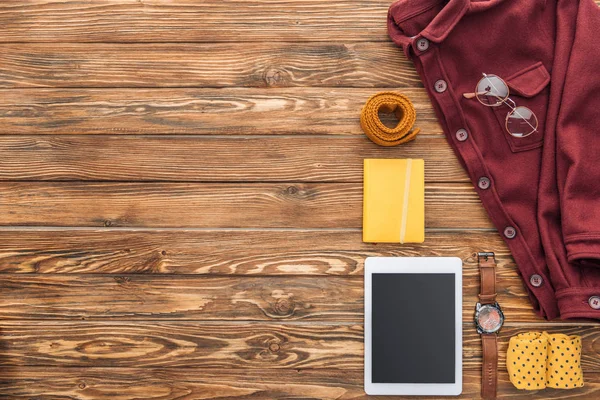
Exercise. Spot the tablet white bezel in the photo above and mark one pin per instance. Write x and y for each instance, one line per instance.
(408, 265)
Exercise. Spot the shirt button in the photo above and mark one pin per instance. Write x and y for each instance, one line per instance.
(462, 135)
(510, 232)
(422, 44)
(536, 280)
(441, 86)
(484, 183)
(594, 302)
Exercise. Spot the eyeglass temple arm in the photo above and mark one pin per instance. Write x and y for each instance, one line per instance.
(473, 95)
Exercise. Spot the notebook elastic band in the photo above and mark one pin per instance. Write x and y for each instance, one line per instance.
(405, 201)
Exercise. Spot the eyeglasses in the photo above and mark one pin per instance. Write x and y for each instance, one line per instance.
(492, 91)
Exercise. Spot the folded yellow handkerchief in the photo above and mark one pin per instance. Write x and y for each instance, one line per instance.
(526, 360)
(537, 360)
(394, 201)
(564, 366)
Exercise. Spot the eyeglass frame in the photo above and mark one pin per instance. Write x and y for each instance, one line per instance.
(505, 100)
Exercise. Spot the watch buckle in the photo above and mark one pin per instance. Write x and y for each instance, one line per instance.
(486, 255)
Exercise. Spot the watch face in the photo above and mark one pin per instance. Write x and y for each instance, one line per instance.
(489, 318)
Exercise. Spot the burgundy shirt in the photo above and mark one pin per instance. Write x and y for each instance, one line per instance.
(542, 192)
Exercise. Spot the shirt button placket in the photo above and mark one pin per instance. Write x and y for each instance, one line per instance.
(440, 86)
(536, 280)
(510, 232)
(422, 44)
(462, 135)
(484, 183)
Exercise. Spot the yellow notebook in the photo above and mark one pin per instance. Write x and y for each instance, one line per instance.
(394, 201)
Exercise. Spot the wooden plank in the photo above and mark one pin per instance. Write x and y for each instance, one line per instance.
(372, 64)
(226, 346)
(206, 159)
(218, 252)
(210, 159)
(183, 298)
(234, 111)
(247, 346)
(242, 205)
(215, 298)
(192, 21)
(201, 383)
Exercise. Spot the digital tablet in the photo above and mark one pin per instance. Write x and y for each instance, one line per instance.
(413, 326)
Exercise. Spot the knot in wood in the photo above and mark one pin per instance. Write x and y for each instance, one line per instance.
(284, 307)
(82, 385)
(274, 77)
(292, 190)
(274, 347)
(472, 258)
(122, 280)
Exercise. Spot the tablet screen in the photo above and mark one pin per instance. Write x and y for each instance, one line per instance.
(413, 328)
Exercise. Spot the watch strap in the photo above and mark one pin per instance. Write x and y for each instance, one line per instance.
(487, 271)
(489, 373)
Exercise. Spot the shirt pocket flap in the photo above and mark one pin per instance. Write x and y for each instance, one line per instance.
(530, 81)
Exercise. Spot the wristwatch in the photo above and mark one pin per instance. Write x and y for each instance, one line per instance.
(488, 320)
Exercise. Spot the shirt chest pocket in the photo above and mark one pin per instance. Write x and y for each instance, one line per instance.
(530, 88)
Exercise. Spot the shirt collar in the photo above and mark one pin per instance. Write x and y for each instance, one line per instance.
(444, 21)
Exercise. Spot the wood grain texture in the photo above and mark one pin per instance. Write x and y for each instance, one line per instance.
(192, 21)
(183, 298)
(216, 159)
(217, 298)
(201, 383)
(369, 64)
(219, 346)
(238, 111)
(181, 202)
(243, 205)
(227, 346)
(218, 252)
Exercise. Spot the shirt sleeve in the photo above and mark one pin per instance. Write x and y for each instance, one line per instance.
(575, 97)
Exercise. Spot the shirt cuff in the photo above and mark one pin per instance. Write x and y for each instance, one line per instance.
(583, 249)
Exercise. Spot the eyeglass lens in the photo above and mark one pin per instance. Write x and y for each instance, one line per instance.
(521, 122)
(492, 91)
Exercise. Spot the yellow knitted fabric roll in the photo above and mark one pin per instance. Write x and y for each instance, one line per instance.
(526, 360)
(390, 102)
(564, 366)
(537, 360)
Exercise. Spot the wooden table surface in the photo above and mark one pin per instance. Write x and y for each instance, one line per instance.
(180, 201)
